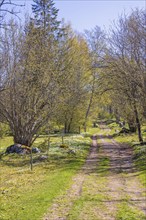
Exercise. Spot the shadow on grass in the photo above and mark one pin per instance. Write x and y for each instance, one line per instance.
(53, 162)
(102, 200)
(120, 160)
(103, 136)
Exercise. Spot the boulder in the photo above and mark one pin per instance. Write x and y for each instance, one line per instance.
(71, 152)
(21, 149)
(15, 148)
(35, 150)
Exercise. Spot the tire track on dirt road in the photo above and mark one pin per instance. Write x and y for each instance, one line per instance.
(62, 205)
(100, 194)
(124, 186)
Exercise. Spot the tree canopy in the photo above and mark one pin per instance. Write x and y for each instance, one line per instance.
(50, 73)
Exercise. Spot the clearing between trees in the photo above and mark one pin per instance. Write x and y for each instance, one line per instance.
(106, 188)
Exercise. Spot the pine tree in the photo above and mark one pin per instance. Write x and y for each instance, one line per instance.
(45, 17)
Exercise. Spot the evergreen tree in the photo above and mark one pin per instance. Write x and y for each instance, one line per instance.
(45, 17)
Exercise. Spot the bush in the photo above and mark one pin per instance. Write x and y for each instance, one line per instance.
(64, 146)
(86, 134)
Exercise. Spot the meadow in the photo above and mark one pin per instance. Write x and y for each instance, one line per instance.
(27, 194)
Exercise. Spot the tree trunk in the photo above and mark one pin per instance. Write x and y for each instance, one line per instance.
(23, 137)
(65, 127)
(31, 160)
(132, 126)
(79, 129)
(138, 124)
(69, 125)
(21, 140)
(117, 116)
(110, 110)
(68, 128)
(90, 103)
(85, 128)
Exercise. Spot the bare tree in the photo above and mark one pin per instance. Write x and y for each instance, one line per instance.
(8, 7)
(97, 45)
(125, 77)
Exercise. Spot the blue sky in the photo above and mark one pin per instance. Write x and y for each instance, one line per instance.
(86, 14)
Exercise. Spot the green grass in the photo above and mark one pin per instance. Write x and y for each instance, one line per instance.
(126, 212)
(90, 204)
(27, 195)
(5, 142)
(103, 166)
(140, 162)
(84, 208)
(91, 131)
(32, 198)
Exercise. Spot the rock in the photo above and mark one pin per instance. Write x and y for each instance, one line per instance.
(21, 149)
(71, 152)
(64, 146)
(35, 150)
(16, 148)
(43, 157)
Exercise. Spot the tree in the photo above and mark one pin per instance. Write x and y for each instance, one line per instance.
(45, 18)
(76, 75)
(8, 7)
(31, 86)
(125, 77)
(96, 44)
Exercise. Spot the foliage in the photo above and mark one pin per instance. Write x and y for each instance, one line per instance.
(64, 146)
(52, 75)
(46, 17)
(140, 161)
(76, 75)
(29, 80)
(55, 174)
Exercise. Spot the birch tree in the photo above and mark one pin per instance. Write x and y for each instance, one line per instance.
(125, 76)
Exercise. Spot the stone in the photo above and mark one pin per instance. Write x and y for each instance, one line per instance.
(71, 152)
(21, 149)
(35, 150)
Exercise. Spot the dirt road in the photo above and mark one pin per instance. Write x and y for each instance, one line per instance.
(106, 188)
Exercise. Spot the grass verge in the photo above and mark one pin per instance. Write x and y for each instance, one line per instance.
(27, 195)
(126, 212)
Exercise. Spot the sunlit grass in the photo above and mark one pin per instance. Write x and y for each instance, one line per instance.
(126, 212)
(27, 194)
(90, 204)
(5, 142)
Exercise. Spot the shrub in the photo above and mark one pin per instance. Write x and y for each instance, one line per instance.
(64, 146)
